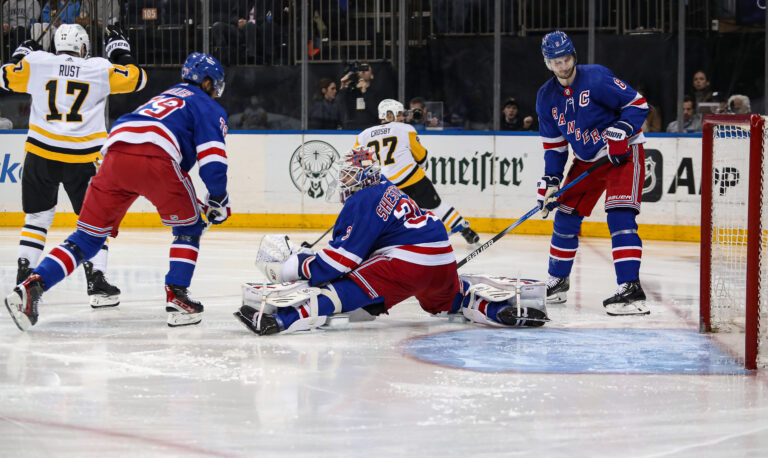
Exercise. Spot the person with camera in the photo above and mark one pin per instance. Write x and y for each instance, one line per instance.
(359, 97)
(417, 115)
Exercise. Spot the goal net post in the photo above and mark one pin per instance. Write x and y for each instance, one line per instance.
(734, 224)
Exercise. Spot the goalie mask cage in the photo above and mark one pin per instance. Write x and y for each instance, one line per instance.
(734, 224)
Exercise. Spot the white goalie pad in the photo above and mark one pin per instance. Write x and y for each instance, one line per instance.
(523, 293)
(268, 297)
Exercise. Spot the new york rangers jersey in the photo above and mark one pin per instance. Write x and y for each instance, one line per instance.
(579, 115)
(399, 151)
(188, 124)
(66, 120)
(380, 221)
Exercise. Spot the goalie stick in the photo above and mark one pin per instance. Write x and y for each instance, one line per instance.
(530, 213)
(308, 245)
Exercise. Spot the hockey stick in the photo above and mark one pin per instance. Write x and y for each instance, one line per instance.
(308, 245)
(530, 213)
(53, 21)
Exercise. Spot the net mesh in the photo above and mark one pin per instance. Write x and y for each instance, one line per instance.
(730, 187)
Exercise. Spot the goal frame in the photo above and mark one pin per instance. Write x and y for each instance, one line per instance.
(755, 123)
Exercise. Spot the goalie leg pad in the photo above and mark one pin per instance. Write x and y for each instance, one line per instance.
(491, 297)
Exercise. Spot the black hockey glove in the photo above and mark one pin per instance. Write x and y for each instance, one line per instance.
(24, 49)
(217, 209)
(118, 49)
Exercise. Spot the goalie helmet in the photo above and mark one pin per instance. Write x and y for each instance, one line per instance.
(199, 66)
(72, 38)
(359, 169)
(390, 105)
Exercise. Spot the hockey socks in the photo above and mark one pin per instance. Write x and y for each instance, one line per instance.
(565, 242)
(34, 234)
(183, 259)
(627, 246)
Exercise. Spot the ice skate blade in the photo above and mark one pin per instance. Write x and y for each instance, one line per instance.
(633, 308)
(557, 298)
(176, 319)
(13, 303)
(99, 301)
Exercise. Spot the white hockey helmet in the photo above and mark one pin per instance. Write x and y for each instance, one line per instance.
(388, 105)
(71, 38)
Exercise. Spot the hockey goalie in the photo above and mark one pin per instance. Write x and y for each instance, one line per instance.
(384, 250)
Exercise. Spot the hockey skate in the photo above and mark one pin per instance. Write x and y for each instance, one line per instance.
(100, 292)
(23, 271)
(263, 325)
(557, 289)
(22, 302)
(628, 300)
(182, 310)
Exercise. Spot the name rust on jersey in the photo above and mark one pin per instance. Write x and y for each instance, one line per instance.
(69, 71)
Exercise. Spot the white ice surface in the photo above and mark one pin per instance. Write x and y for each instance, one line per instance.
(119, 382)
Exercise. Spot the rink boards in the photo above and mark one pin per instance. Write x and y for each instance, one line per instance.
(281, 180)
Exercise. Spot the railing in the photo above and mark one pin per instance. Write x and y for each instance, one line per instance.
(267, 32)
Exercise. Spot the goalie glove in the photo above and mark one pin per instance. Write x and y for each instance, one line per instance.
(118, 49)
(547, 186)
(281, 260)
(216, 209)
(24, 49)
(617, 137)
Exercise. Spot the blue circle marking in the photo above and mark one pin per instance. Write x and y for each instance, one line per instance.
(576, 351)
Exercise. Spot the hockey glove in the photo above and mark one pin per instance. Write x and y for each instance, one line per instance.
(216, 209)
(24, 49)
(617, 137)
(118, 49)
(548, 185)
(281, 260)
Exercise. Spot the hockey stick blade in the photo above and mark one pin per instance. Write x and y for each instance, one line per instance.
(530, 213)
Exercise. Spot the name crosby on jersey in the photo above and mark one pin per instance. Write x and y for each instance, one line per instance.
(382, 131)
(69, 71)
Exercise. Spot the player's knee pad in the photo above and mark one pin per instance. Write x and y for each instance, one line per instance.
(42, 220)
(193, 229)
(567, 225)
(83, 245)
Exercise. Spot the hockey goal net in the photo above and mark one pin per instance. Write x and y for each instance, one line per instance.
(734, 232)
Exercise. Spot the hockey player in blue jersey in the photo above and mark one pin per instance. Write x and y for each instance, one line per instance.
(148, 153)
(385, 249)
(597, 114)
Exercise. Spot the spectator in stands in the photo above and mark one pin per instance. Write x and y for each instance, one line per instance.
(359, 97)
(267, 30)
(18, 16)
(5, 123)
(511, 119)
(228, 19)
(325, 113)
(418, 116)
(653, 120)
(69, 15)
(691, 119)
(702, 91)
(739, 104)
(107, 12)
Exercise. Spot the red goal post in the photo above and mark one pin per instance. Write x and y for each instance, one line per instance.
(734, 228)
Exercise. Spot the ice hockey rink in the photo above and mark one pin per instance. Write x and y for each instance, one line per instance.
(119, 382)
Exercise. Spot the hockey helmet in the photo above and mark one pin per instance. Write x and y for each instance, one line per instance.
(388, 105)
(556, 44)
(359, 169)
(71, 38)
(199, 66)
